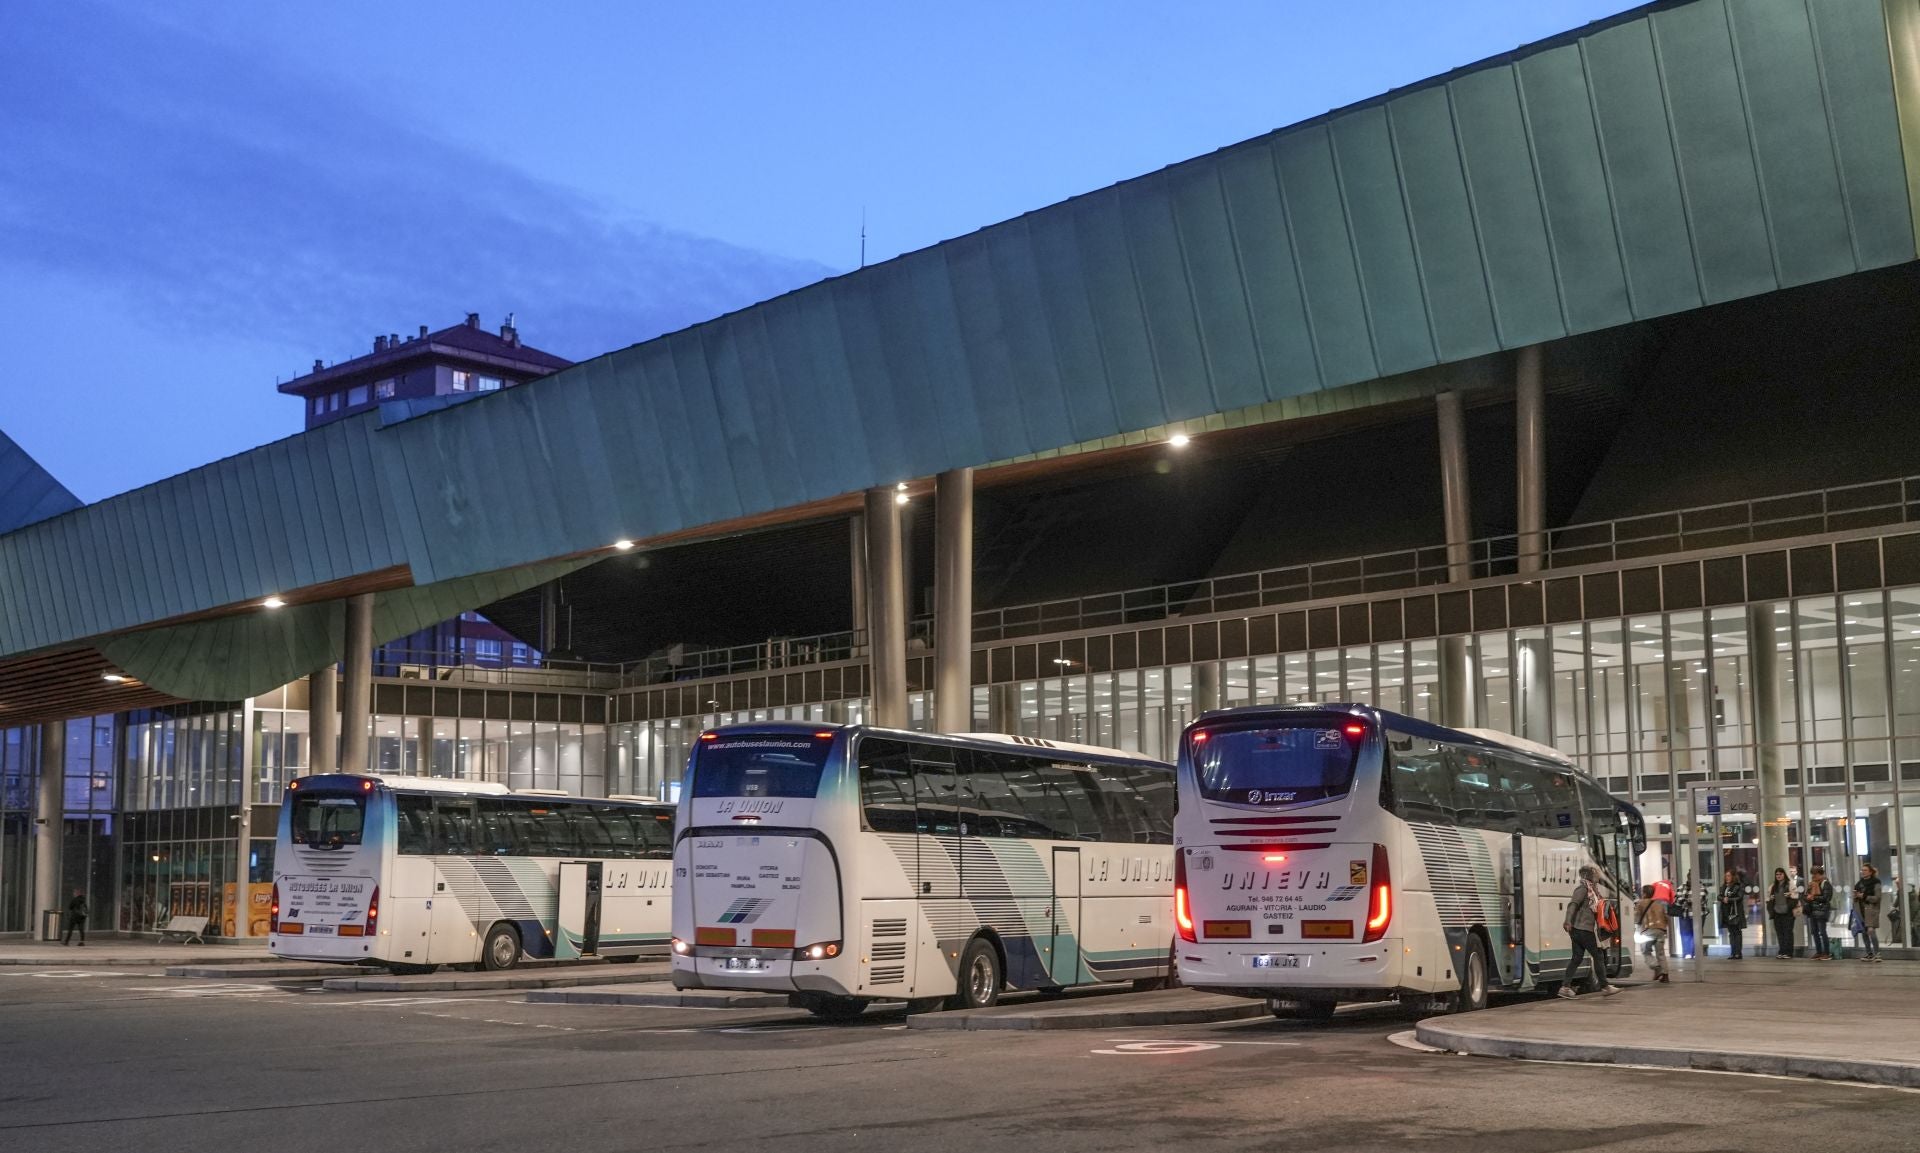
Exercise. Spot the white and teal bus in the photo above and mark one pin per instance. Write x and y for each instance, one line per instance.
(847, 865)
(415, 872)
(1332, 853)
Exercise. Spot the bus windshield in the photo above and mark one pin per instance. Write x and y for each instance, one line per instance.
(1285, 763)
(328, 819)
(767, 765)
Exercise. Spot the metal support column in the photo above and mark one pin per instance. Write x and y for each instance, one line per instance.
(1530, 434)
(886, 610)
(1455, 676)
(1764, 652)
(857, 569)
(323, 720)
(49, 823)
(953, 601)
(357, 685)
(1206, 687)
(243, 826)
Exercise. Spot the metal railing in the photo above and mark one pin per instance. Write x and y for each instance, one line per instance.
(1847, 507)
(1725, 525)
(454, 665)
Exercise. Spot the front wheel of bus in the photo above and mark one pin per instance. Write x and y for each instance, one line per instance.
(502, 950)
(980, 977)
(1473, 979)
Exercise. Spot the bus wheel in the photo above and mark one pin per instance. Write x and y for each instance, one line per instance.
(502, 950)
(980, 977)
(836, 1009)
(1317, 1011)
(1473, 979)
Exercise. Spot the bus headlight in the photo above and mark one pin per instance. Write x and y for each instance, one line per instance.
(824, 951)
(681, 947)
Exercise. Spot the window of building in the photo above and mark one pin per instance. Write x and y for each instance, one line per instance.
(356, 395)
(333, 402)
(319, 405)
(462, 381)
(519, 653)
(489, 384)
(383, 390)
(486, 650)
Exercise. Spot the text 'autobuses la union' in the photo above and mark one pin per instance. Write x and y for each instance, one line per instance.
(414, 873)
(1333, 853)
(847, 865)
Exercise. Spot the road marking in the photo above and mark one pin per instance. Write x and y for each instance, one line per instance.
(1156, 1048)
(391, 1002)
(1407, 1040)
(70, 974)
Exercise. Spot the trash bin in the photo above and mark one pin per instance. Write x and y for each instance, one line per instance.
(50, 925)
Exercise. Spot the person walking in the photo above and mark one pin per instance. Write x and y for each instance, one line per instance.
(1866, 906)
(1583, 923)
(1817, 904)
(1733, 912)
(1782, 903)
(1682, 911)
(76, 918)
(1651, 916)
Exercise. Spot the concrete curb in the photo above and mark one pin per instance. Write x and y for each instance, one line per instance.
(263, 969)
(469, 982)
(672, 998)
(99, 961)
(1054, 1015)
(1443, 1034)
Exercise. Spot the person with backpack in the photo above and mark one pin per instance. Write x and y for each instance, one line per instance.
(76, 918)
(1866, 908)
(1733, 912)
(1682, 912)
(1817, 904)
(1589, 922)
(1782, 902)
(1650, 914)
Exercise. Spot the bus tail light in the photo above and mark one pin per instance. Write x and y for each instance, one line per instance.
(822, 951)
(273, 911)
(373, 912)
(1379, 897)
(1182, 912)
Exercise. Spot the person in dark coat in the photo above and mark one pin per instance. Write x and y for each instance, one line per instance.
(1818, 906)
(76, 918)
(1782, 905)
(1733, 912)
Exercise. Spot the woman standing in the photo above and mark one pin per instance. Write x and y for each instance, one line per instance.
(1733, 912)
(1781, 903)
(1818, 906)
(1866, 904)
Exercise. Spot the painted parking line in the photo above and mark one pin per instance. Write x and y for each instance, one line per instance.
(391, 1002)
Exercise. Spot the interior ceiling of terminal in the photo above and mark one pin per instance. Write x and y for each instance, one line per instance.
(1782, 393)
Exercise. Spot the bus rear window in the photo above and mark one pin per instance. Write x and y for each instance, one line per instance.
(769, 766)
(328, 819)
(1276, 764)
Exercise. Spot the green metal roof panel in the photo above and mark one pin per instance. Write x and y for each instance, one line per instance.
(1679, 155)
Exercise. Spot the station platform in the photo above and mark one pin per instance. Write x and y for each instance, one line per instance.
(113, 951)
(1840, 1020)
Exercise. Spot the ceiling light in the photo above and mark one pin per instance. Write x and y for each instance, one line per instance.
(273, 603)
(623, 544)
(113, 678)
(1179, 440)
(901, 498)
(901, 487)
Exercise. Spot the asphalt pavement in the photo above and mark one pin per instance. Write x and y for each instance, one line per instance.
(132, 1059)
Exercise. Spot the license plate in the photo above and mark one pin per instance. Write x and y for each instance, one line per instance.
(1278, 961)
(740, 964)
(320, 930)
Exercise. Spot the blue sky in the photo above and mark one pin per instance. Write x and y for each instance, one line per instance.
(199, 198)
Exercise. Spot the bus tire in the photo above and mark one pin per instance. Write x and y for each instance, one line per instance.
(1318, 1011)
(1472, 994)
(981, 976)
(838, 1010)
(502, 948)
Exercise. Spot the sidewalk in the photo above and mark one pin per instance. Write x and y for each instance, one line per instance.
(1841, 1020)
(103, 951)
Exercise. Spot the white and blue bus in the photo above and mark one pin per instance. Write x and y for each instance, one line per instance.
(414, 873)
(847, 865)
(1336, 852)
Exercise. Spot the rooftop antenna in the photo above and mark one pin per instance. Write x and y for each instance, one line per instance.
(863, 236)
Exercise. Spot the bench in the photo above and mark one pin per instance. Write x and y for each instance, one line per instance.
(187, 930)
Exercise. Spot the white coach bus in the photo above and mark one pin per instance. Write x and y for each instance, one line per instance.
(847, 865)
(1332, 853)
(414, 873)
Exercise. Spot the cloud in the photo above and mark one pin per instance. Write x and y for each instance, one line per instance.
(240, 194)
